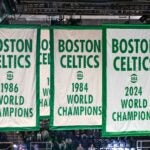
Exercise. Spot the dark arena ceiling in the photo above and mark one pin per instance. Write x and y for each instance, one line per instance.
(80, 7)
(72, 12)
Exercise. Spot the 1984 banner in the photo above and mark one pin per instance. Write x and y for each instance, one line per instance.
(76, 80)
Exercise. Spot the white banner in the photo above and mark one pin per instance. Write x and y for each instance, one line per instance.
(45, 73)
(127, 108)
(77, 80)
(18, 82)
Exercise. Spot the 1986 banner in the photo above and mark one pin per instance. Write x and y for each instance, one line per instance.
(18, 81)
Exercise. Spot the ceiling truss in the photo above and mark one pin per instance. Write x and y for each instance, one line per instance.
(82, 7)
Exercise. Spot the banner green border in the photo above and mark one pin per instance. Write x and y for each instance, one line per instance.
(37, 126)
(104, 81)
(52, 127)
(44, 28)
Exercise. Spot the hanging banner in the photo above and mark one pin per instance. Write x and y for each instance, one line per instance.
(45, 73)
(19, 106)
(76, 78)
(127, 80)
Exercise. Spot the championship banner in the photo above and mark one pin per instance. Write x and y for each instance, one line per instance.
(19, 105)
(76, 101)
(45, 73)
(126, 79)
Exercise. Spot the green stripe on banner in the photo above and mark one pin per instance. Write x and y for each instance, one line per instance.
(126, 71)
(52, 78)
(104, 81)
(76, 96)
(19, 80)
(38, 80)
(13, 26)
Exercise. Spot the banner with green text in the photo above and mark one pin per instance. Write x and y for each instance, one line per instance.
(45, 73)
(76, 78)
(126, 79)
(19, 106)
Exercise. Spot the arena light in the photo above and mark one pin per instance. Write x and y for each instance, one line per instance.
(15, 146)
